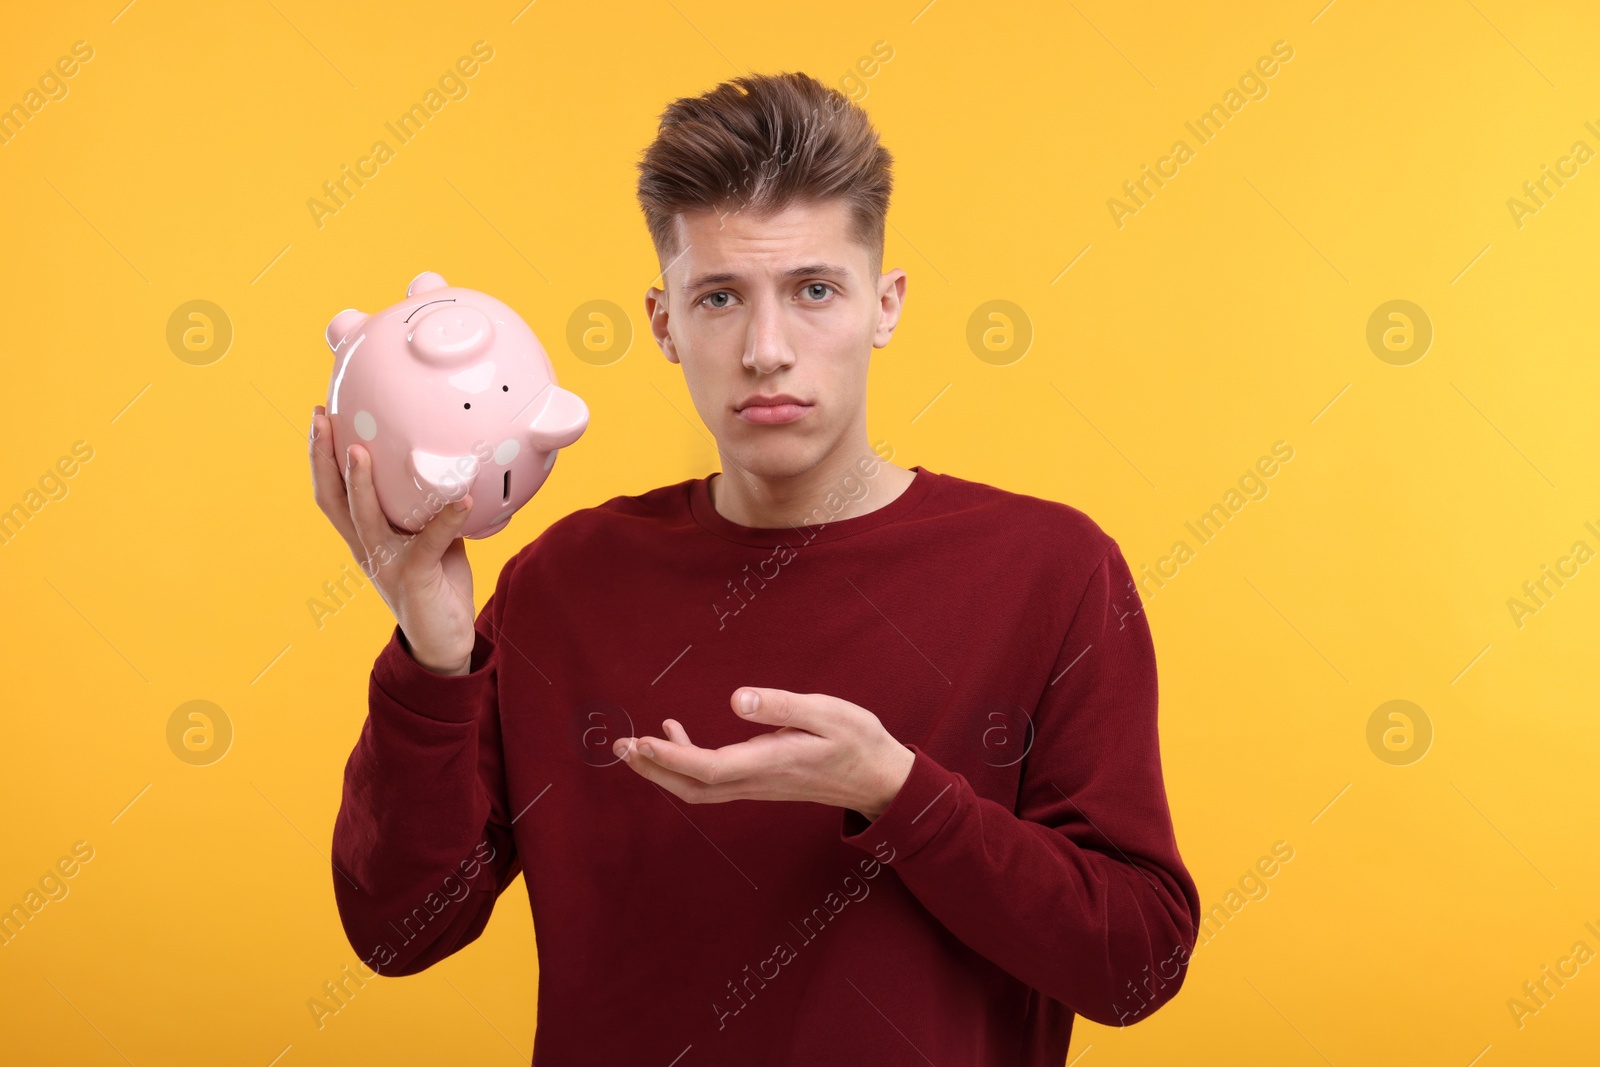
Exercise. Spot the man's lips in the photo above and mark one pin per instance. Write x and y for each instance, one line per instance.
(772, 414)
(769, 400)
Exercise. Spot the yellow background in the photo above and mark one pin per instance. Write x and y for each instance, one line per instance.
(1229, 313)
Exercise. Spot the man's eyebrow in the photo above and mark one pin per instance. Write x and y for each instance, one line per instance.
(808, 270)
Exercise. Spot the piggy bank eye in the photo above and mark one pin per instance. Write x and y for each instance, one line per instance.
(505, 388)
(466, 405)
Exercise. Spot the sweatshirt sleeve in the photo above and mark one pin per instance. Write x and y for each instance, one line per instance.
(422, 844)
(1080, 892)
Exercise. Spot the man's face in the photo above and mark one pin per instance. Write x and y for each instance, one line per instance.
(786, 304)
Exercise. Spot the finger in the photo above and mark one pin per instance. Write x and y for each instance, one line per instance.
(815, 712)
(682, 786)
(440, 532)
(743, 761)
(670, 752)
(327, 484)
(371, 525)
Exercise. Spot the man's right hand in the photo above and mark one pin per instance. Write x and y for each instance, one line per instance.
(423, 577)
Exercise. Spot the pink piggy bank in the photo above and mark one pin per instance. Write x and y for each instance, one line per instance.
(451, 393)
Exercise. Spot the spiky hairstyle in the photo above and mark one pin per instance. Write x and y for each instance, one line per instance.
(758, 144)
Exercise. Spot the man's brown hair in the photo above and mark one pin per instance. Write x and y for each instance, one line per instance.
(759, 143)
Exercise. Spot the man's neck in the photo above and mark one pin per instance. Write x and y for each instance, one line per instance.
(763, 503)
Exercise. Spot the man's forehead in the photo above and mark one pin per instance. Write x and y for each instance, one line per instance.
(800, 241)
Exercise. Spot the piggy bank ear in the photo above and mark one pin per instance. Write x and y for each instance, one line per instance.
(426, 282)
(558, 420)
(344, 322)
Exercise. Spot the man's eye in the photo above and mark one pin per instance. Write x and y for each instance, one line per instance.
(713, 296)
(825, 287)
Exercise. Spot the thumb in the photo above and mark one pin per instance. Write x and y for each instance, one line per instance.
(776, 707)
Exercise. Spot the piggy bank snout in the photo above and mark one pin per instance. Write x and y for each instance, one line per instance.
(450, 333)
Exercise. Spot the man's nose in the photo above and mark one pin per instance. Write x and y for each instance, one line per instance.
(767, 346)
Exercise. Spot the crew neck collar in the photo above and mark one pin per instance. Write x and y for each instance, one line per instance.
(713, 521)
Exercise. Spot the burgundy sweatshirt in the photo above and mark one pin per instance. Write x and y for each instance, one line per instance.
(1026, 871)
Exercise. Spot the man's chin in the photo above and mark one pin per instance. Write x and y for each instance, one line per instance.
(775, 459)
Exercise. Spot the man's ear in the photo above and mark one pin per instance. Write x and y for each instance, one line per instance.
(655, 310)
(891, 301)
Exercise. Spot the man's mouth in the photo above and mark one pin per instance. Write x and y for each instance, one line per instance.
(772, 410)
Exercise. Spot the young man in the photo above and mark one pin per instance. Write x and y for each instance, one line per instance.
(820, 760)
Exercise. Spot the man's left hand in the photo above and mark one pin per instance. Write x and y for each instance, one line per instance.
(826, 750)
